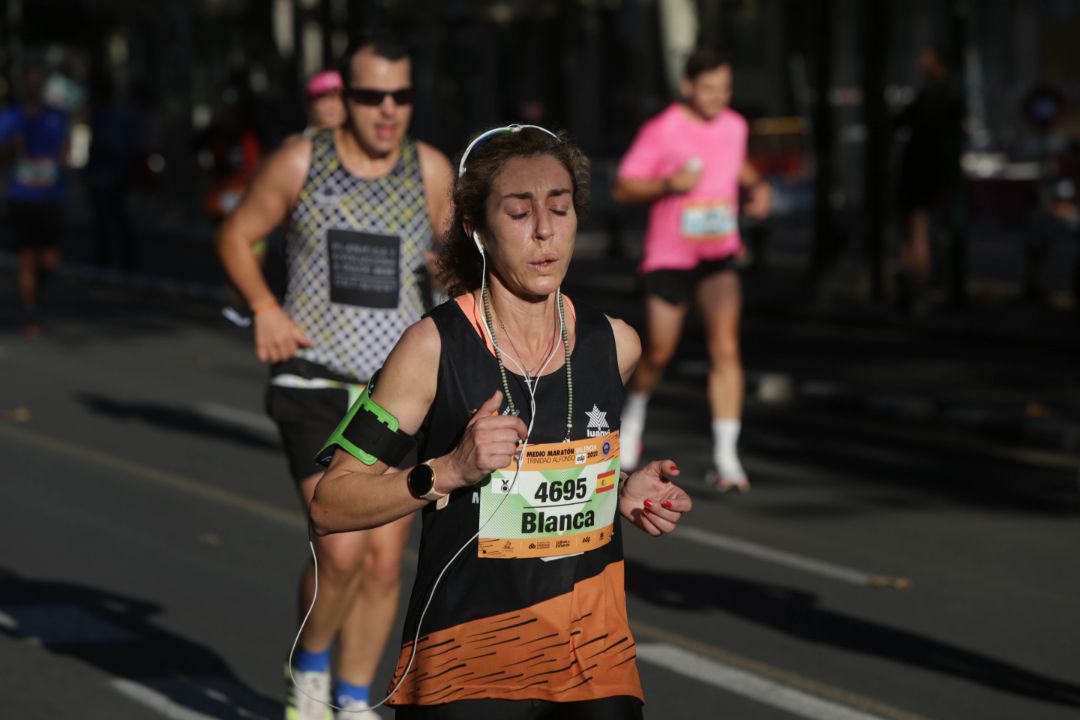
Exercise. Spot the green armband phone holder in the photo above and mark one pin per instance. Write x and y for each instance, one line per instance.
(368, 432)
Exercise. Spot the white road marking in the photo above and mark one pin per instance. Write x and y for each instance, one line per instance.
(7, 621)
(157, 701)
(747, 684)
(788, 559)
(256, 422)
(785, 678)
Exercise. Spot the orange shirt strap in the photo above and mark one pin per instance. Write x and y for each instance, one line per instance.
(475, 314)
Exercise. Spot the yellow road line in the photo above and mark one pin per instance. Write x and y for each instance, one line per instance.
(291, 519)
(163, 478)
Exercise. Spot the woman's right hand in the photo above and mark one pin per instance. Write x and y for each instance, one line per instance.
(489, 442)
(276, 336)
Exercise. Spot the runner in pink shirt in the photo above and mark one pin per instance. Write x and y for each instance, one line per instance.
(690, 162)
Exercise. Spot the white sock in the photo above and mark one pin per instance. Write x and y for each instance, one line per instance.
(725, 442)
(631, 429)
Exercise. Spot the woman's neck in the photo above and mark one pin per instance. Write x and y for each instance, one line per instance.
(531, 327)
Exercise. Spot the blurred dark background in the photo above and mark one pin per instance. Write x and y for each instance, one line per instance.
(822, 82)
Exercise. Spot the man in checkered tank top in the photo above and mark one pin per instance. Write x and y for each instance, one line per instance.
(363, 204)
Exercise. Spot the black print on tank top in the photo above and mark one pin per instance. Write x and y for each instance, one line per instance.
(364, 268)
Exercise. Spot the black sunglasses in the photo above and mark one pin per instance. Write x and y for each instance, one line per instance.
(365, 96)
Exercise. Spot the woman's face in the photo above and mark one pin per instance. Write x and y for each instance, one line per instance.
(531, 225)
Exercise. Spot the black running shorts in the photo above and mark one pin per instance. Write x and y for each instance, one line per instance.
(35, 225)
(305, 418)
(677, 286)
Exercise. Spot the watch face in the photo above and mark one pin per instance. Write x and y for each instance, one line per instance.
(421, 480)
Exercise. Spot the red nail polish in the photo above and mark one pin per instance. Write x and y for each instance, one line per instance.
(666, 504)
(644, 511)
(674, 467)
(648, 503)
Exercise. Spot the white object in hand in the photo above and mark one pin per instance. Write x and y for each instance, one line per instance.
(694, 164)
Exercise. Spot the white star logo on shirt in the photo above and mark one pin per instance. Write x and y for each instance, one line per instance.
(597, 417)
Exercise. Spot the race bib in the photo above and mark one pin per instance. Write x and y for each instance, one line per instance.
(37, 172)
(563, 501)
(364, 268)
(704, 220)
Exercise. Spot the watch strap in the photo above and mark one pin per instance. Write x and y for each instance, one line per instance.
(440, 498)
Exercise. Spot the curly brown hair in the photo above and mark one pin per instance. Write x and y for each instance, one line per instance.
(460, 265)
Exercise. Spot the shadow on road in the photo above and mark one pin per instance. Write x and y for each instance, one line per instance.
(175, 418)
(114, 633)
(875, 466)
(917, 469)
(797, 613)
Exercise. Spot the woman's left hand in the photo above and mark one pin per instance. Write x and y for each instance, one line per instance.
(649, 499)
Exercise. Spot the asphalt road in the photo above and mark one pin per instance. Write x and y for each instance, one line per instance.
(150, 541)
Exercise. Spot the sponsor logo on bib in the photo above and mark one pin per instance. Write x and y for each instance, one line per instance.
(598, 424)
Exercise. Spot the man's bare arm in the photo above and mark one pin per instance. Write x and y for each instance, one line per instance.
(438, 188)
(266, 203)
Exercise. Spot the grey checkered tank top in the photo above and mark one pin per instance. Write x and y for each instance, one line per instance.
(355, 252)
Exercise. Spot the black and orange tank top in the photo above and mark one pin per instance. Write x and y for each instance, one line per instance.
(535, 606)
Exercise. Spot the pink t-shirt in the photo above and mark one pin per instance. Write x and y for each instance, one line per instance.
(702, 224)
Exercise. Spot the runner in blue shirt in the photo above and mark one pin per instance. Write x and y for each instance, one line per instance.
(34, 144)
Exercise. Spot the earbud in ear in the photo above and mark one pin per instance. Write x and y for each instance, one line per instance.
(476, 239)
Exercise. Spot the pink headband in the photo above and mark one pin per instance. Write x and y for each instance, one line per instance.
(324, 82)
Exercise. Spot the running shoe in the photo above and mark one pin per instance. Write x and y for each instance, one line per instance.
(722, 482)
(356, 710)
(308, 697)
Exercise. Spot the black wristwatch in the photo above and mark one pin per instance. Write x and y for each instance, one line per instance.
(421, 482)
